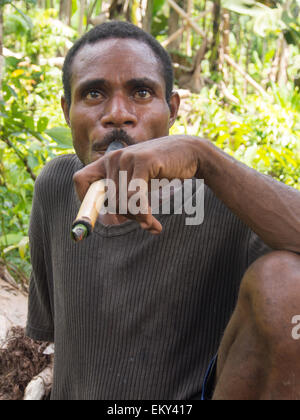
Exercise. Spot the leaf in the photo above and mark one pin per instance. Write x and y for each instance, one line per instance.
(17, 73)
(42, 124)
(74, 7)
(245, 7)
(157, 5)
(62, 136)
(10, 239)
(29, 122)
(32, 161)
(25, 17)
(9, 248)
(12, 61)
(9, 91)
(23, 244)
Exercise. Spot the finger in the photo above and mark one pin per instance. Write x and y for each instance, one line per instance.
(149, 222)
(152, 225)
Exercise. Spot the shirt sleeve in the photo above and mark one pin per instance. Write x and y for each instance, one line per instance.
(40, 303)
(256, 248)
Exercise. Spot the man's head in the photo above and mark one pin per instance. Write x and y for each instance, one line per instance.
(120, 30)
(117, 79)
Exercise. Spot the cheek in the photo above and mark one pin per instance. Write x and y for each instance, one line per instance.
(157, 121)
(80, 122)
(80, 142)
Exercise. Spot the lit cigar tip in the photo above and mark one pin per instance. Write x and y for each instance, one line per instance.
(79, 232)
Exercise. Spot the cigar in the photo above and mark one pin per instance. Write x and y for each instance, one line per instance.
(92, 204)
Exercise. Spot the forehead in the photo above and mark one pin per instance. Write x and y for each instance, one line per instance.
(116, 59)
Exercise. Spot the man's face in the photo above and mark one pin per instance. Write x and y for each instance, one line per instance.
(117, 84)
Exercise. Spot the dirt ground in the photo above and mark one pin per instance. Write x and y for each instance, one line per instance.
(21, 358)
(13, 308)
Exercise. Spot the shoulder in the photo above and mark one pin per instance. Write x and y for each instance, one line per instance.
(57, 175)
(59, 170)
(62, 165)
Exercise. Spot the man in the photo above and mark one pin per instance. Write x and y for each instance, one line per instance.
(138, 310)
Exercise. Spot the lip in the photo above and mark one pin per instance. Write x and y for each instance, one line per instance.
(100, 149)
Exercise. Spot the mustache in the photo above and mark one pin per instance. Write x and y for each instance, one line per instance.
(118, 135)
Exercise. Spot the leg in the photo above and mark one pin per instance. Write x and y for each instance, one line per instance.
(258, 357)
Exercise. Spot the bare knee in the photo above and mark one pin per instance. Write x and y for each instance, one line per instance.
(258, 356)
(271, 288)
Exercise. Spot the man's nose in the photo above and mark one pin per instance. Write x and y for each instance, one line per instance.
(118, 113)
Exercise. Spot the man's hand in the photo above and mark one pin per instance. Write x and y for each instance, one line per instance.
(172, 157)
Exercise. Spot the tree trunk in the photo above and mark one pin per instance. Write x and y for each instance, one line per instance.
(189, 51)
(214, 58)
(65, 11)
(81, 16)
(174, 25)
(1, 51)
(116, 9)
(282, 76)
(225, 47)
(147, 17)
(42, 4)
(204, 18)
(193, 80)
(273, 75)
(248, 51)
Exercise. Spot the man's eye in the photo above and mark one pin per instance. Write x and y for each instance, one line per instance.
(93, 94)
(142, 94)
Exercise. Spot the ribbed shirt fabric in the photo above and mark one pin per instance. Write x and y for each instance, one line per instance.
(134, 316)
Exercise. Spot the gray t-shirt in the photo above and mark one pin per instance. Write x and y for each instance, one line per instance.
(134, 316)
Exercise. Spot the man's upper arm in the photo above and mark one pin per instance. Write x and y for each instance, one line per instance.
(40, 305)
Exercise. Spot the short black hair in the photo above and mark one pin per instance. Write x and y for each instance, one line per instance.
(118, 29)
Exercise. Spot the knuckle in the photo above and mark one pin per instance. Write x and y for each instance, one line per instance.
(77, 177)
(127, 158)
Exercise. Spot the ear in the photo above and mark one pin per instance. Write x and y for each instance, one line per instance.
(65, 108)
(174, 107)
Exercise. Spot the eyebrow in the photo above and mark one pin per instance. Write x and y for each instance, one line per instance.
(143, 81)
(89, 84)
(132, 83)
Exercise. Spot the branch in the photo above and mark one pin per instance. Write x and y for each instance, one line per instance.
(21, 157)
(174, 36)
(40, 385)
(185, 16)
(246, 76)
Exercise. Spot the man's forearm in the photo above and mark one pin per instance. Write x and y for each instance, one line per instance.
(268, 207)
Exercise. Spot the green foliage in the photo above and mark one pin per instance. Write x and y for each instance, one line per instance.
(269, 20)
(32, 130)
(262, 134)
(40, 34)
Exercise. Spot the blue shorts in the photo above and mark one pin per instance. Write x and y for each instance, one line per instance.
(209, 382)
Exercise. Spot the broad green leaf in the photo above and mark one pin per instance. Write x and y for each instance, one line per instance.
(11, 239)
(245, 7)
(9, 91)
(62, 136)
(157, 5)
(74, 7)
(29, 122)
(42, 124)
(32, 161)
